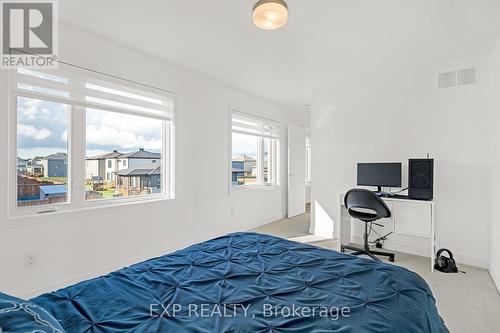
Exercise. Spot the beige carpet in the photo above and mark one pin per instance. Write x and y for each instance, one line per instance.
(468, 303)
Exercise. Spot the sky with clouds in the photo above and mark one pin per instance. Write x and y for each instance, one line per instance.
(245, 145)
(108, 131)
(42, 129)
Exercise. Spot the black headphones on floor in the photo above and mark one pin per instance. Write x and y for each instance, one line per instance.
(445, 264)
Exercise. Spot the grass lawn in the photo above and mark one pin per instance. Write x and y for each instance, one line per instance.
(55, 180)
(105, 193)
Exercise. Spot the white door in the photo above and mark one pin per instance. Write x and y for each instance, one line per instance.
(296, 170)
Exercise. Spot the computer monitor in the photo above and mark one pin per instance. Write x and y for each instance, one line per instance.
(379, 174)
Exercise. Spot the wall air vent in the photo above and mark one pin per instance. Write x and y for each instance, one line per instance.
(457, 78)
(466, 76)
(448, 79)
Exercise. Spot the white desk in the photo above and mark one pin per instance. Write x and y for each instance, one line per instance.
(412, 222)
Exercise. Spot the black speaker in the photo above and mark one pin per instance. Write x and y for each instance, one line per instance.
(421, 179)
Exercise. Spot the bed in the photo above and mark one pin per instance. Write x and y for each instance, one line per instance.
(248, 282)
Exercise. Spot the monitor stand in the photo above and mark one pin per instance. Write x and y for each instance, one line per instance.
(383, 194)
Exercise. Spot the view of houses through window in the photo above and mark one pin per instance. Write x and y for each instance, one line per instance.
(125, 130)
(254, 147)
(244, 161)
(123, 155)
(42, 152)
(117, 164)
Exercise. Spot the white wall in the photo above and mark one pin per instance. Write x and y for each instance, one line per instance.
(78, 245)
(392, 114)
(495, 150)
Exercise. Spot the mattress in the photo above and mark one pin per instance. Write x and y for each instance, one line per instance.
(248, 282)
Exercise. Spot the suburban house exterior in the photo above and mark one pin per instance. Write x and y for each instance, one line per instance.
(34, 166)
(237, 173)
(97, 166)
(107, 165)
(143, 180)
(244, 162)
(242, 166)
(55, 165)
(21, 165)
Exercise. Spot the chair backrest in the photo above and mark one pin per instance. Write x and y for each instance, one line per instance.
(365, 205)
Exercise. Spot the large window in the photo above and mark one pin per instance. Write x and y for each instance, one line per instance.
(82, 138)
(254, 151)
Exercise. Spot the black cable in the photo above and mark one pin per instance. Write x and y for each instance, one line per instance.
(369, 233)
(404, 189)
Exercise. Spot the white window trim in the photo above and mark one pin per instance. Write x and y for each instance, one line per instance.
(275, 163)
(308, 160)
(76, 151)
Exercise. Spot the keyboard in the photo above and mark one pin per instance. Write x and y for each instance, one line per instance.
(393, 196)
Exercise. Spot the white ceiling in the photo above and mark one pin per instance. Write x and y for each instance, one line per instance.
(323, 40)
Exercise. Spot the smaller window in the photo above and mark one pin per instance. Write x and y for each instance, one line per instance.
(254, 148)
(110, 164)
(124, 163)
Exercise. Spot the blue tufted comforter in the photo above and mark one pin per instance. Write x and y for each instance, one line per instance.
(247, 282)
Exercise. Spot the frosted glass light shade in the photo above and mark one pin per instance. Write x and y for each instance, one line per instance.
(270, 14)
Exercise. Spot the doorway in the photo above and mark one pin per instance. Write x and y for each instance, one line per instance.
(299, 170)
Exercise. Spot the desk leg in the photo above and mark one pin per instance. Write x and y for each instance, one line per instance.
(433, 238)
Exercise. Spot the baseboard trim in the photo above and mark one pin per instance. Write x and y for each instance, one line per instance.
(259, 223)
(471, 260)
(495, 277)
(322, 232)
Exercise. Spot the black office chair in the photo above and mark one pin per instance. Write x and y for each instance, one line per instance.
(364, 205)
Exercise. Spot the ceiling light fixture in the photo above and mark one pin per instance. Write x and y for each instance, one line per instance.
(270, 14)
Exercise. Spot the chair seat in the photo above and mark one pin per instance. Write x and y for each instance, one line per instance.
(363, 216)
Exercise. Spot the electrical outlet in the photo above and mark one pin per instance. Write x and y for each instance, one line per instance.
(30, 260)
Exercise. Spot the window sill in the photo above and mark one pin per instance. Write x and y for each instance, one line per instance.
(243, 188)
(89, 206)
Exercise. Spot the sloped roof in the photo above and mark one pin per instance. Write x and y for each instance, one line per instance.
(141, 153)
(54, 189)
(151, 169)
(243, 158)
(57, 156)
(113, 154)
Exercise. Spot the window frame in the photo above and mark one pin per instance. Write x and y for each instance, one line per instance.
(76, 148)
(275, 155)
(308, 160)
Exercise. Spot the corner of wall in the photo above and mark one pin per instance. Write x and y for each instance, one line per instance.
(494, 275)
(494, 264)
